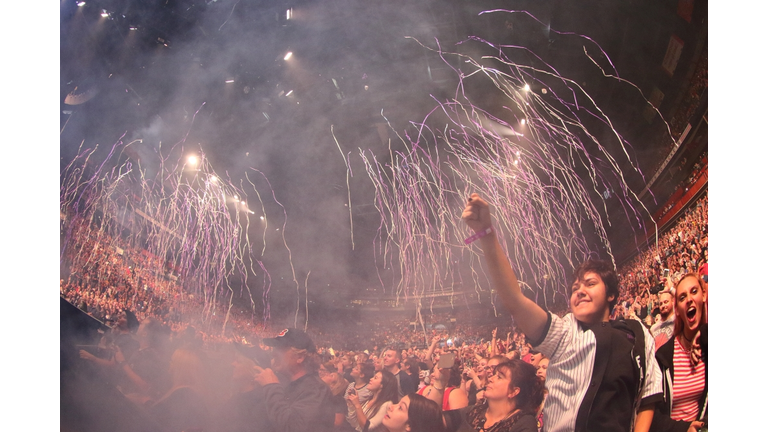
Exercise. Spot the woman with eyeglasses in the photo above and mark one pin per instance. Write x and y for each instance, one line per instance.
(513, 395)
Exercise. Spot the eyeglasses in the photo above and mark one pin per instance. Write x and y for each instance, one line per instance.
(491, 369)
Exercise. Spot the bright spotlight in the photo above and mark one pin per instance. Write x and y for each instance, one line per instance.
(104, 13)
(522, 122)
(192, 160)
(214, 179)
(80, 4)
(527, 88)
(287, 56)
(261, 217)
(236, 198)
(242, 202)
(544, 91)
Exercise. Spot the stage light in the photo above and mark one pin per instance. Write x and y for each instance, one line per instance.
(214, 179)
(242, 202)
(261, 217)
(229, 81)
(522, 122)
(192, 160)
(104, 13)
(527, 88)
(133, 28)
(287, 56)
(544, 91)
(80, 4)
(289, 93)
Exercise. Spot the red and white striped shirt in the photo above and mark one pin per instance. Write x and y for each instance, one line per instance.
(687, 385)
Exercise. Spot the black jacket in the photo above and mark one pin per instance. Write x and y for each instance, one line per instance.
(299, 406)
(665, 357)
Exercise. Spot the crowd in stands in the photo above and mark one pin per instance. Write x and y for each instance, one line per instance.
(396, 378)
(681, 250)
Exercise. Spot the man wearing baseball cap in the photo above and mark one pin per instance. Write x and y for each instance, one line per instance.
(298, 400)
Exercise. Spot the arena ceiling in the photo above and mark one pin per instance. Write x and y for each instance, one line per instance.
(214, 73)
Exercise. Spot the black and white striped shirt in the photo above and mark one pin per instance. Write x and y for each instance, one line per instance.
(571, 350)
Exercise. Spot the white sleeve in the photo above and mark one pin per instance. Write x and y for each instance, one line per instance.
(652, 382)
(558, 332)
(376, 420)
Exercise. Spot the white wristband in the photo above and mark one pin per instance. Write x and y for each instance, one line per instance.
(483, 233)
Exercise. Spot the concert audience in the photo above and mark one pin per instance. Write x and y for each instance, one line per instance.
(123, 287)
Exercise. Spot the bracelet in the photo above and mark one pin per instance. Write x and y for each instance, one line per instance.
(483, 233)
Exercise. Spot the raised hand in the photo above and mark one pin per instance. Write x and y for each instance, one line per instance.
(477, 213)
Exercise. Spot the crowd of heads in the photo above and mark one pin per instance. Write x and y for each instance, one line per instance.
(131, 291)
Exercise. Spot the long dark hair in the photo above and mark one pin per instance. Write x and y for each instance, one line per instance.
(424, 415)
(523, 376)
(388, 391)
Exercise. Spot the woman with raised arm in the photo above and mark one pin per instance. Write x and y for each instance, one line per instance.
(478, 378)
(683, 361)
(445, 388)
(596, 383)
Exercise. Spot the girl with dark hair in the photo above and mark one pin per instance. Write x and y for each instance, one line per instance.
(361, 374)
(512, 397)
(414, 413)
(383, 387)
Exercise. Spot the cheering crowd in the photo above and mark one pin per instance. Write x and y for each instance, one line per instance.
(630, 354)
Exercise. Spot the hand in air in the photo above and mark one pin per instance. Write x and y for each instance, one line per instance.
(477, 213)
(696, 349)
(86, 355)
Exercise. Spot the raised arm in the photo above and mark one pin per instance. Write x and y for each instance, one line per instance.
(432, 346)
(531, 318)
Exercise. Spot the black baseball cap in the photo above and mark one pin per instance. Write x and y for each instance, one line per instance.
(293, 338)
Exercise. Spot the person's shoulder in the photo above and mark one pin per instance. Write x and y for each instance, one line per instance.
(526, 423)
